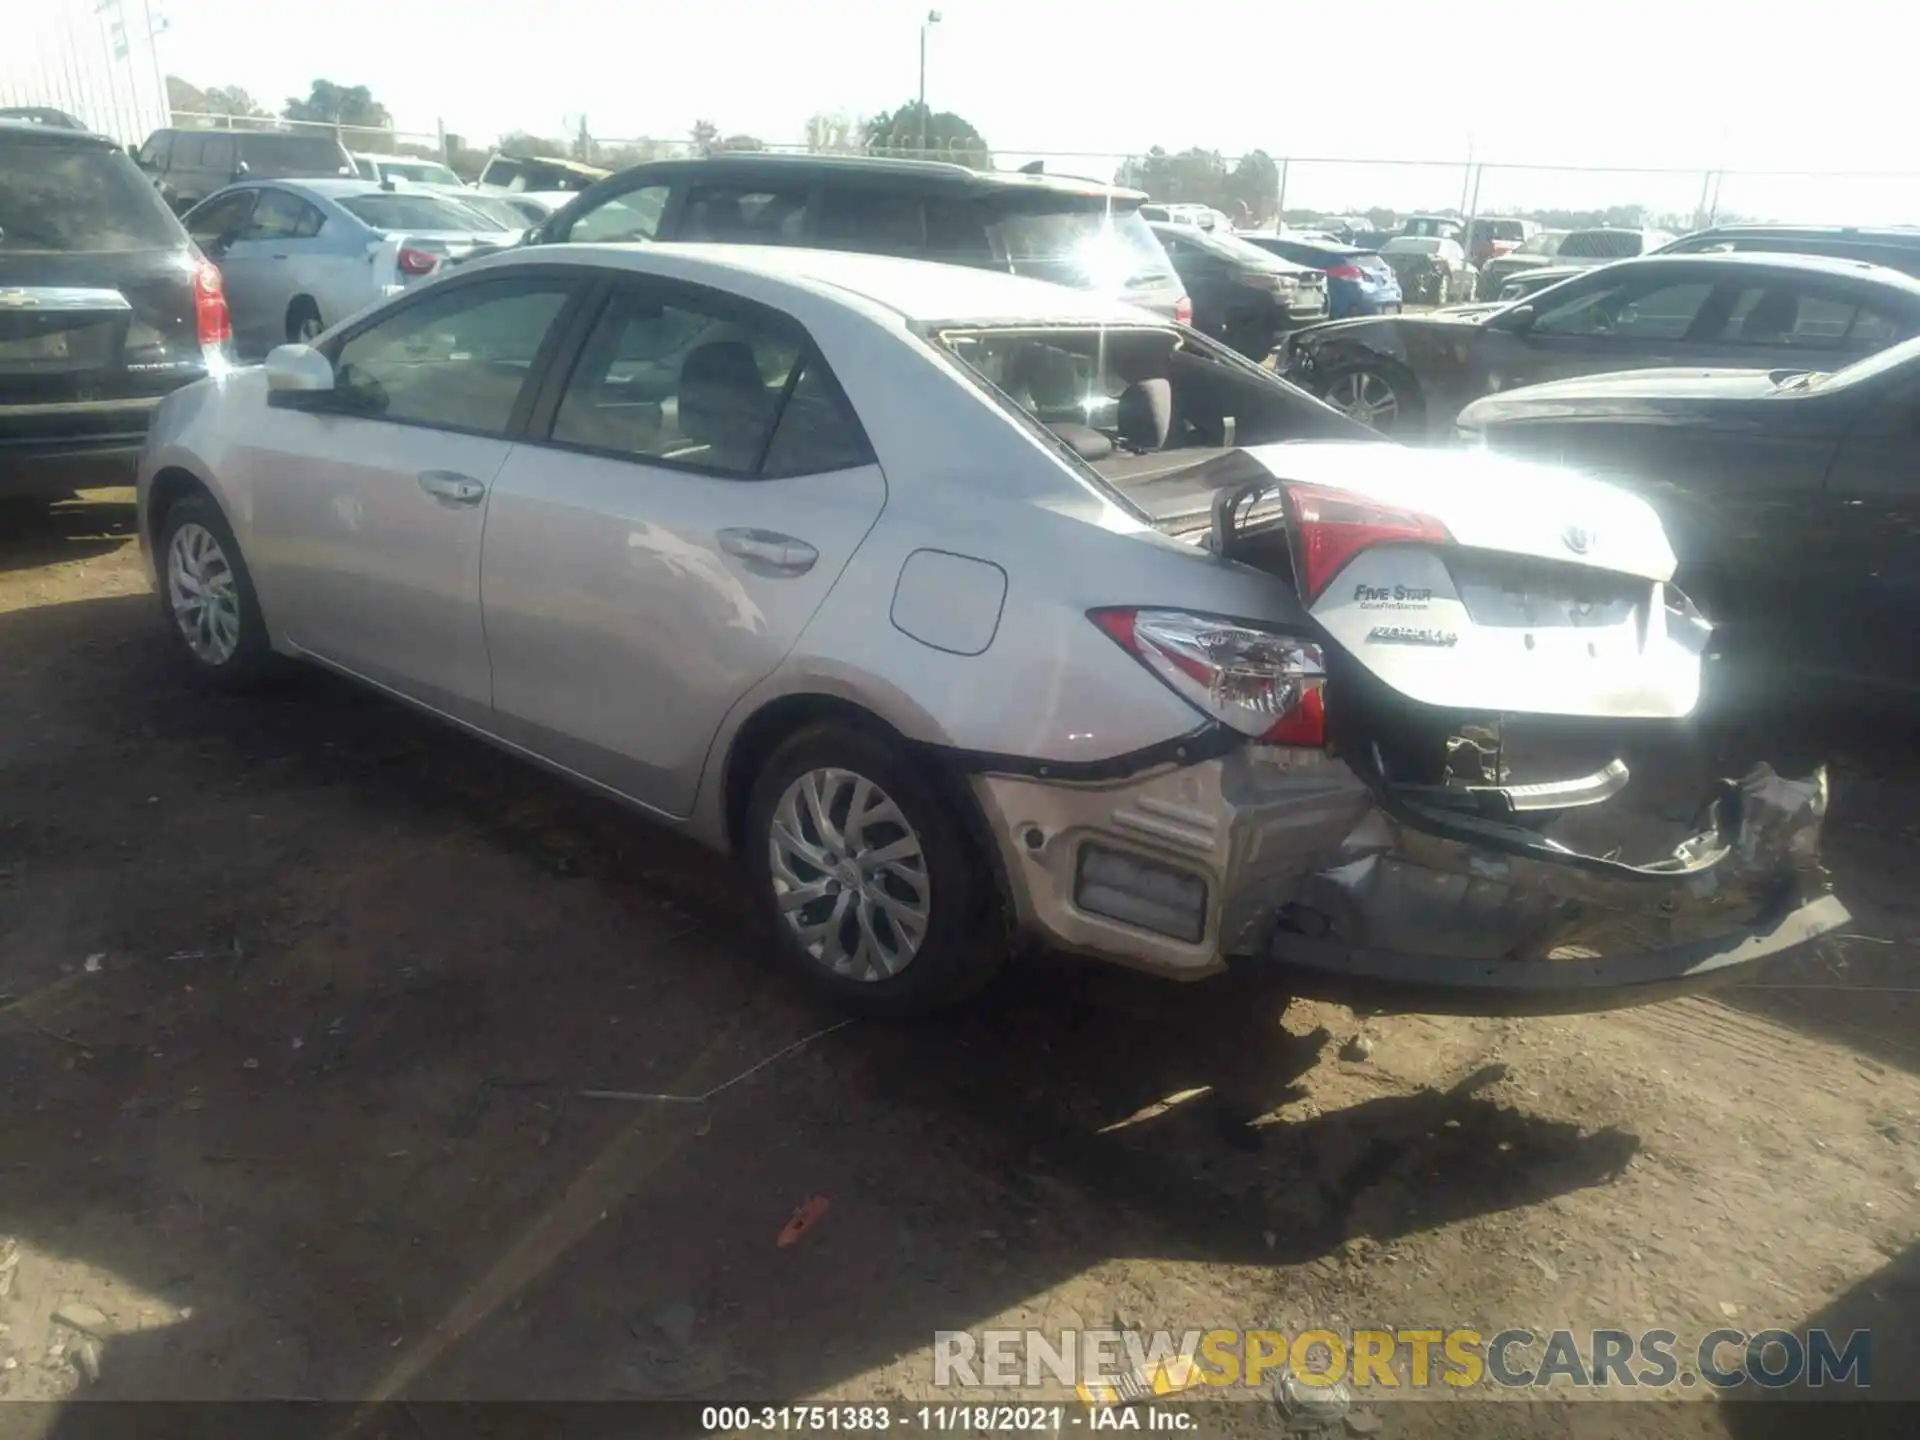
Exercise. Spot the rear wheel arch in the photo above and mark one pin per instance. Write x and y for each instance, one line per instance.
(760, 737)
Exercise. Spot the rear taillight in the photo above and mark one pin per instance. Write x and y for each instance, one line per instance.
(417, 262)
(212, 324)
(1183, 311)
(1330, 527)
(1345, 272)
(1262, 683)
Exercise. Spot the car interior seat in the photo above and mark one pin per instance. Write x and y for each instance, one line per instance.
(1772, 318)
(724, 405)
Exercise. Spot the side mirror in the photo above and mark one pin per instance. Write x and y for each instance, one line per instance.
(1519, 319)
(296, 374)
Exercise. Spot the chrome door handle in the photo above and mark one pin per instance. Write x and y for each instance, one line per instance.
(452, 486)
(767, 552)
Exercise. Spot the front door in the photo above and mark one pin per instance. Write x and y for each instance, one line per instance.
(1600, 323)
(370, 508)
(699, 488)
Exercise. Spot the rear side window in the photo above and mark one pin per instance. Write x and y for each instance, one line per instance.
(876, 222)
(728, 213)
(279, 215)
(79, 199)
(308, 154)
(1780, 315)
(681, 383)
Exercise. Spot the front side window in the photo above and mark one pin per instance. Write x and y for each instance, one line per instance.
(730, 214)
(457, 360)
(217, 152)
(630, 216)
(1636, 310)
(221, 219)
(682, 382)
(278, 215)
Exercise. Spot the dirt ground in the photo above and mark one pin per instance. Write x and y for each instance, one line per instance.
(301, 990)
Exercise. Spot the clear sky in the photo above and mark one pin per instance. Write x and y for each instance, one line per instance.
(1686, 84)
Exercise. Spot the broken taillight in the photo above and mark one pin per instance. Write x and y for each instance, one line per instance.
(1330, 527)
(1264, 683)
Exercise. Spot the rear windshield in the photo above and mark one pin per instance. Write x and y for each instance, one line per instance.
(1601, 245)
(1087, 247)
(497, 212)
(419, 212)
(1120, 396)
(1232, 249)
(79, 199)
(315, 153)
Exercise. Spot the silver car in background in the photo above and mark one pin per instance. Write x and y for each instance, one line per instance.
(962, 607)
(298, 255)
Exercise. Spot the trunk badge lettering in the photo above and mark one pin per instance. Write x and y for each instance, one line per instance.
(1411, 635)
(1578, 539)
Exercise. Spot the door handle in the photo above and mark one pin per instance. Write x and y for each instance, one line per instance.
(767, 552)
(452, 486)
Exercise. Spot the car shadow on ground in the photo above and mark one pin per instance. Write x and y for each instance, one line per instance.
(33, 535)
(322, 1087)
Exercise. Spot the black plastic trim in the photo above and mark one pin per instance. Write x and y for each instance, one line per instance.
(1209, 742)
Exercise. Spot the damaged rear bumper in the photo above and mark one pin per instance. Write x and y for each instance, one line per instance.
(1291, 858)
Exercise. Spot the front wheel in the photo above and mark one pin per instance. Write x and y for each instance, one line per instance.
(207, 594)
(873, 890)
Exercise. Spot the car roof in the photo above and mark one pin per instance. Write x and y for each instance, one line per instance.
(17, 128)
(1891, 234)
(1837, 265)
(932, 174)
(338, 187)
(915, 290)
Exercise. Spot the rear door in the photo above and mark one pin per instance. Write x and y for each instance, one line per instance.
(96, 284)
(700, 486)
(370, 501)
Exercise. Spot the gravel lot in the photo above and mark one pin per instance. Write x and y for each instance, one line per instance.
(301, 990)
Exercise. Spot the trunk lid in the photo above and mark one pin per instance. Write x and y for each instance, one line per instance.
(96, 327)
(1548, 597)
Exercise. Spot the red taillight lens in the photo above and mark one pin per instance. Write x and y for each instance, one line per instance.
(1330, 527)
(1345, 272)
(212, 324)
(417, 262)
(1265, 684)
(1183, 311)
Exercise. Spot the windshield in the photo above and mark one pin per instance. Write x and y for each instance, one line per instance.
(1547, 242)
(419, 212)
(1601, 245)
(422, 172)
(79, 199)
(1087, 248)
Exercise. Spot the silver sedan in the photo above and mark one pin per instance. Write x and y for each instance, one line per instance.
(297, 255)
(961, 607)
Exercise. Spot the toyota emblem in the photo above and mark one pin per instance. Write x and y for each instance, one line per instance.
(1578, 539)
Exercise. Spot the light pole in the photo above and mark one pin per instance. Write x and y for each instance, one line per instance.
(933, 18)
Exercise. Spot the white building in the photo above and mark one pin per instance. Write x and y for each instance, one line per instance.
(95, 59)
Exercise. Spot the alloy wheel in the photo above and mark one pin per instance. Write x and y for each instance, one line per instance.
(203, 594)
(849, 874)
(1365, 396)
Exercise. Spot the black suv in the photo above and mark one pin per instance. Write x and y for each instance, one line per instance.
(105, 306)
(189, 165)
(1895, 246)
(1073, 232)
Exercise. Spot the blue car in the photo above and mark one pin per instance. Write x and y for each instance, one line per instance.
(1359, 282)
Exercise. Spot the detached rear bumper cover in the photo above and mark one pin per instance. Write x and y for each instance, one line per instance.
(1384, 901)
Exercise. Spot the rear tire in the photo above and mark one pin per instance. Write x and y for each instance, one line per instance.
(207, 596)
(303, 322)
(1379, 397)
(897, 936)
